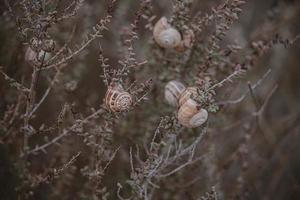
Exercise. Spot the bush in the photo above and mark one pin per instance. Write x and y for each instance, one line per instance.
(90, 109)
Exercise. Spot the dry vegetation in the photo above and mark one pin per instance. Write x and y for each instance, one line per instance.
(83, 113)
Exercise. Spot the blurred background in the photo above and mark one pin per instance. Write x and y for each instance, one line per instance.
(249, 157)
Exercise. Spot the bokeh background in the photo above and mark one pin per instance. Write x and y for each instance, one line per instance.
(242, 162)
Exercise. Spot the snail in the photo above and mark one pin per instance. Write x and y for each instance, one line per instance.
(187, 94)
(35, 43)
(35, 58)
(48, 45)
(191, 115)
(173, 91)
(187, 40)
(165, 35)
(118, 100)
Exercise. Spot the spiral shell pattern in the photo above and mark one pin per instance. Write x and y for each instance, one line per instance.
(117, 99)
(173, 90)
(187, 94)
(165, 35)
(191, 115)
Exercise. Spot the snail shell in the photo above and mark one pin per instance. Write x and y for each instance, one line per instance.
(173, 90)
(191, 115)
(117, 99)
(35, 43)
(188, 38)
(187, 41)
(165, 35)
(34, 58)
(187, 94)
(48, 45)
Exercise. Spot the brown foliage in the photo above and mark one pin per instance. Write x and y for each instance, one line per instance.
(61, 139)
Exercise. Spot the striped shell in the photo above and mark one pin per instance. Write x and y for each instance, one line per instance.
(117, 99)
(190, 91)
(190, 115)
(165, 35)
(33, 58)
(48, 45)
(173, 90)
(187, 41)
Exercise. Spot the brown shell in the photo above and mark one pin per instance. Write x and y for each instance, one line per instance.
(33, 58)
(165, 35)
(160, 26)
(187, 41)
(173, 90)
(190, 115)
(188, 38)
(190, 91)
(48, 45)
(117, 99)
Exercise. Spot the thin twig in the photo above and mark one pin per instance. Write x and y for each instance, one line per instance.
(227, 79)
(65, 133)
(241, 98)
(180, 167)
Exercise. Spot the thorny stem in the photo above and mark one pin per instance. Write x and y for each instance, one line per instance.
(92, 37)
(57, 172)
(261, 120)
(111, 159)
(64, 60)
(46, 93)
(65, 133)
(63, 48)
(157, 131)
(253, 96)
(30, 102)
(131, 160)
(13, 83)
(180, 167)
(238, 100)
(227, 79)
